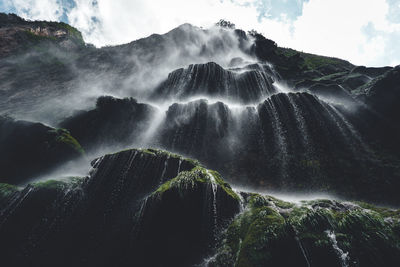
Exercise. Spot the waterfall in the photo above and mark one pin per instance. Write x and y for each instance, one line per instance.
(148, 136)
(214, 188)
(352, 130)
(241, 202)
(238, 251)
(301, 123)
(14, 203)
(244, 85)
(164, 170)
(179, 165)
(279, 136)
(343, 257)
(338, 122)
(302, 249)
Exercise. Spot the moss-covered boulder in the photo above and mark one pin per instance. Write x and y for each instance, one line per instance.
(181, 221)
(312, 233)
(149, 207)
(30, 149)
(136, 207)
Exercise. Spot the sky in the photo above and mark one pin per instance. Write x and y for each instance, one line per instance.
(365, 32)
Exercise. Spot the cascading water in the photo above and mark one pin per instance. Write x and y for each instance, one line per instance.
(301, 122)
(147, 137)
(14, 203)
(302, 250)
(241, 202)
(294, 130)
(343, 256)
(164, 170)
(214, 188)
(279, 135)
(278, 125)
(179, 166)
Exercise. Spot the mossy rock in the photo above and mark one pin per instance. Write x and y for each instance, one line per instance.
(6, 191)
(63, 136)
(190, 179)
(61, 184)
(318, 232)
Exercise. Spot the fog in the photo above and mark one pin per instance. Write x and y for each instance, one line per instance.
(140, 68)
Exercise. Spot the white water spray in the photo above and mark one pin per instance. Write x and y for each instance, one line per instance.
(214, 188)
(343, 256)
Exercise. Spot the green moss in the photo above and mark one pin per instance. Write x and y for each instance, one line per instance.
(190, 179)
(288, 52)
(257, 201)
(63, 136)
(315, 221)
(260, 233)
(50, 184)
(224, 185)
(280, 203)
(168, 154)
(331, 77)
(62, 184)
(312, 61)
(185, 180)
(250, 235)
(72, 31)
(163, 153)
(383, 211)
(7, 189)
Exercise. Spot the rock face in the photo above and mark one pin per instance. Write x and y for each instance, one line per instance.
(113, 121)
(291, 141)
(30, 149)
(247, 85)
(17, 33)
(262, 115)
(153, 208)
(383, 92)
(314, 233)
(265, 117)
(143, 207)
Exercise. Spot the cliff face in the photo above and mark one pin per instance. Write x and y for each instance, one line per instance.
(137, 207)
(18, 34)
(265, 117)
(153, 208)
(32, 149)
(262, 115)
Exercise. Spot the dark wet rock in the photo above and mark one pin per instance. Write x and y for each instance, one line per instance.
(18, 34)
(189, 207)
(321, 235)
(30, 149)
(108, 217)
(370, 71)
(292, 140)
(332, 92)
(154, 208)
(353, 81)
(112, 122)
(383, 94)
(211, 80)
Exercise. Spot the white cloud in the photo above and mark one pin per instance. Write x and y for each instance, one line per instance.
(335, 28)
(36, 9)
(327, 27)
